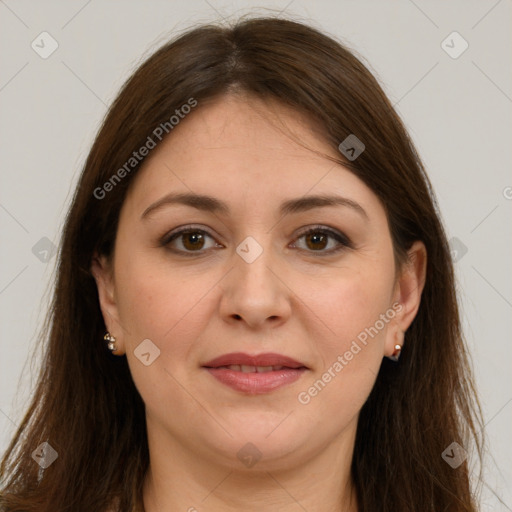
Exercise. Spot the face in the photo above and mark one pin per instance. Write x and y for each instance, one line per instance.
(260, 267)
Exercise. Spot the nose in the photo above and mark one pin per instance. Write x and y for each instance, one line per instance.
(255, 293)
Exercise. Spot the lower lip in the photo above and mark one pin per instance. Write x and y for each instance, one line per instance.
(256, 383)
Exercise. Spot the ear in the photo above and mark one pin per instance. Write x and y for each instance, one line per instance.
(407, 295)
(103, 272)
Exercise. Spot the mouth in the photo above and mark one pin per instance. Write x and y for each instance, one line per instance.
(255, 374)
(253, 369)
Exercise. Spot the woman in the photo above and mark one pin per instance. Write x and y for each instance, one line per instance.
(255, 305)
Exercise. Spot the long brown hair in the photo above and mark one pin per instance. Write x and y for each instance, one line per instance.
(86, 405)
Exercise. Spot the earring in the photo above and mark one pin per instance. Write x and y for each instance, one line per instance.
(111, 342)
(395, 356)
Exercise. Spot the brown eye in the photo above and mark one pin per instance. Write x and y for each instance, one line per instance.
(316, 241)
(320, 240)
(189, 240)
(323, 241)
(192, 240)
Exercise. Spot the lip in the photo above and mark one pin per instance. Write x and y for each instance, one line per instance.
(267, 359)
(255, 383)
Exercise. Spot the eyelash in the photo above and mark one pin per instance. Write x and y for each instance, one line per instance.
(343, 241)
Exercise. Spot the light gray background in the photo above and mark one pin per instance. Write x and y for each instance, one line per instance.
(458, 112)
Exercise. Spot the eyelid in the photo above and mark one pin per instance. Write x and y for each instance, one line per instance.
(343, 240)
(167, 238)
(321, 227)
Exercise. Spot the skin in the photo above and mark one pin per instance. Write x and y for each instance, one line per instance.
(290, 300)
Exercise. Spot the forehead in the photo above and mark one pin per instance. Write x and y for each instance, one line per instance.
(249, 123)
(245, 150)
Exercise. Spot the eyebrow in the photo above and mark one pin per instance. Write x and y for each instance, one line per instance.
(214, 205)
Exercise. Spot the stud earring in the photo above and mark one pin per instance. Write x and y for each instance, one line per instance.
(111, 342)
(395, 356)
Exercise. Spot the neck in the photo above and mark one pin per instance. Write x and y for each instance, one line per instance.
(178, 480)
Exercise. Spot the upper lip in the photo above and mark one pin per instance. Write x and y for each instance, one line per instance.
(240, 358)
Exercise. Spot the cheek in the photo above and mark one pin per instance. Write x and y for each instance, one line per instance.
(162, 303)
(349, 340)
(334, 398)
(350, 354)
(349, 304)
(168, 307)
